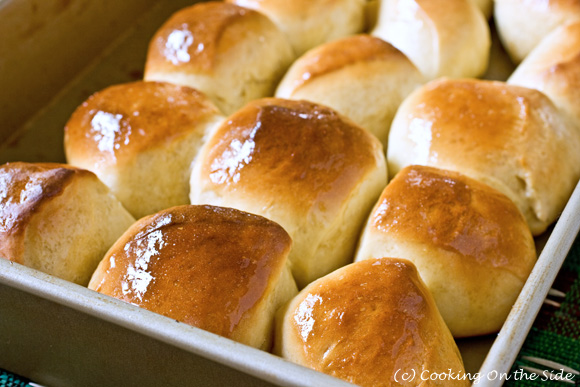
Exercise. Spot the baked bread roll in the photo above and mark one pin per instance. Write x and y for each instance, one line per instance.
(301, 165)
(309, 23)
(368, 323)
(469, 242)
(509, 137)
(553, 67)
(361, 77)
(57, 219)
(449, 38)
(485, 6)
(140, 139)
(522, 24)
(218, 269)
(232, 54)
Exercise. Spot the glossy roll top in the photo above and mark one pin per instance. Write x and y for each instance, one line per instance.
(470, 243)
(368, 323)
(57, 219)
(230, 53)
(121, 121)
(309, 23)
(511, 138)
(302, 165)
(218, 269)
(362, 77)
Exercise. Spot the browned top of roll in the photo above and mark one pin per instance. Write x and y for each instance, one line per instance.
(24, 188)
(195, 36)
(302, 152)
(453, 212)
(342, 53)
(367, 321)
(123, 120)
(202, 265)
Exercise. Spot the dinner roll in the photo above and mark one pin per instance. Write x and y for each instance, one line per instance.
(309, 23)
(362, 77)
(522, 24)
(553, 67)
(232, 54)
(141, 138)
(218, 269)
(443, 38)
(509, 137)
(369, 323)
(57, 219)
(301, 165)
(471, 245)
(485, 6)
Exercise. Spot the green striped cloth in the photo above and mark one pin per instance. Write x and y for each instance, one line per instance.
(555, 335)
(556, 332)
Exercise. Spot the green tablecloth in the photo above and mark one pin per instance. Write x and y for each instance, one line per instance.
(554, 336)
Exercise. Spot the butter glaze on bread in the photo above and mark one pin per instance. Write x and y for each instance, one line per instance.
(553, 68)
(310, 23)
(366, 321)
(361, 77)
(218, 269)
(232, 54)
(301, 165)
(511, 138)
(469, 242)
(141, 138)
(522, 24)
(57, 219)
(442, 38)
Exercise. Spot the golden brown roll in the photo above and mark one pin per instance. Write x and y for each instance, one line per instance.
(469, 242)
(511, 138)
(485, 6)
(140, 139)
(218, 269)
(361, 77)
(553, 68)
(522, 24)
(57, 219)
(443, 38)
(309, 23)
(232, 54)
(370, 323)
(301, 165)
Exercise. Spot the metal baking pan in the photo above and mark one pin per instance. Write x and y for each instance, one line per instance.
(53, 55)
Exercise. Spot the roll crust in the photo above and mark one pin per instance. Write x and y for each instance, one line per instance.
(214, 268)
(509, 137)
(300, 164)
(364, 322)
(470, 243)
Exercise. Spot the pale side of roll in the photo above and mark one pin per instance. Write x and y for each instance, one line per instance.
(218, 269)
(301, 165)
(361, 77)
(57, 219)
(141, 139)
(446, 38)
(470, 243)
(553, 68)
(509, 137)
(370, 323)
(232, 54)
(522, 24)
(309, 23)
